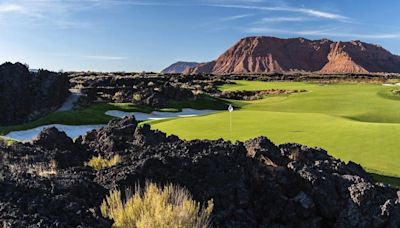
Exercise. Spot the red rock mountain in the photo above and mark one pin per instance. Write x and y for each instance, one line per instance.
(179, 67)
(270, 54)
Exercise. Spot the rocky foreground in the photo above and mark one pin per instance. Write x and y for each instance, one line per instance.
(253, 184)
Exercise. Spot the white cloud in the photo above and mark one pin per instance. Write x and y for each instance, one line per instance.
(236, 17)
(306, 11)
(318, 13)
(10, 8)
(282, 19)
(324, 33)
(36, 12)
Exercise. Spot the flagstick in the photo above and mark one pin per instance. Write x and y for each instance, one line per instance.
(230, 121)
(230, 109)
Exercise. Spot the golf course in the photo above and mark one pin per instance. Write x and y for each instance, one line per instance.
(352, 121)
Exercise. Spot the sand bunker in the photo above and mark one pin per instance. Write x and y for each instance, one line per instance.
(186, 112)
(75, 131)
(70, 130)
(396, 84)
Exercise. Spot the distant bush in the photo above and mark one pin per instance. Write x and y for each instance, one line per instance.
(396, 92)
(99, 162)
(43, 169)
(170, 206)
(6, 141)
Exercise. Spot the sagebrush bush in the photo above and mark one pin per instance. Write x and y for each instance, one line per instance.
(7, 141)
(99, 162)
(169, 206)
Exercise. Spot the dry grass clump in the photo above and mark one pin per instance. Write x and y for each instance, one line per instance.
(99, 162)
(170, 206)
(44, 170)
(7, 141)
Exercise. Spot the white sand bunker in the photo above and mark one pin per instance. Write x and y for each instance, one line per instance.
(186, 112)
(70, 130)
(396, 84)
(75, 131)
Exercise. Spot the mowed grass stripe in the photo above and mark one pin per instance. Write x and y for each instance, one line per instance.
(328, 116)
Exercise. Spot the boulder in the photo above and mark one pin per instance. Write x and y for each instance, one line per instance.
(26, 95)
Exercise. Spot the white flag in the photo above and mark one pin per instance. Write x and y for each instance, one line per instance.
(230, 108)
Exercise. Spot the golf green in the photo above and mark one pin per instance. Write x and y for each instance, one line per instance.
(358, 122)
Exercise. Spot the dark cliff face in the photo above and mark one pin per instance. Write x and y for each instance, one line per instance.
(253, 184)
(27, 95)
(270, 54)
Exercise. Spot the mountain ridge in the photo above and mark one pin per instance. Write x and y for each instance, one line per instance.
(179, 67)
(265, 54)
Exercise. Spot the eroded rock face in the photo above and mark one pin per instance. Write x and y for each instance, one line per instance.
(26, 95)
(270, 54)
(253, 184)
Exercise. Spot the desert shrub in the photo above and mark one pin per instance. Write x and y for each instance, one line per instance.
(99, 162)
(43, 169)
(168, 206)
(7, 141)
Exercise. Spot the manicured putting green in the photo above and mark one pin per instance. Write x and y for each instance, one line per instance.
(359, 122)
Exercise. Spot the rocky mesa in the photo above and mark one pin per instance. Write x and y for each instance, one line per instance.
(263, 54)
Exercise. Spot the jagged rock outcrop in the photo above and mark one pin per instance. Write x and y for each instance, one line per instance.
(42, 185)
(271, 54)
(152, 90)
(179, 67)
(254, 95)
(253, 184)
(27, 95)
(158, 90)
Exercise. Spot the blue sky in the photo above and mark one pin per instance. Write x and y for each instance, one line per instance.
(136, 35)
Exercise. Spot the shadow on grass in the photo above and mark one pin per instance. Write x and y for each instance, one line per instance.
(394, 181)
(95, 113)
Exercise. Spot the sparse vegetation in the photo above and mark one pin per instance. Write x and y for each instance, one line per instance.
(168, 206)
(44, 170)
(7, 141)
(98, 162)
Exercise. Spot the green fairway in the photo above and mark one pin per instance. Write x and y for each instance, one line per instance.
(359, 122)
(94, 114)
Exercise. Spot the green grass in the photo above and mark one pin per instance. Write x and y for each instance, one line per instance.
(394, 181)
(94, 114)
(91, 115)
(359, 122)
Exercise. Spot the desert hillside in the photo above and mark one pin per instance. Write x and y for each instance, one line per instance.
(179, 67)
(270, 54)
